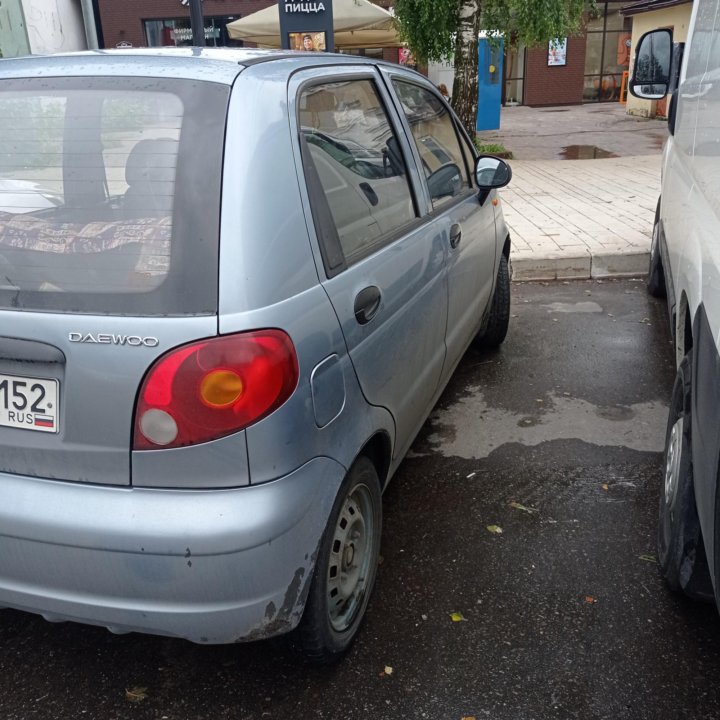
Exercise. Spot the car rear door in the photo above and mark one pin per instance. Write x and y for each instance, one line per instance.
(466, 225)
(381, 264)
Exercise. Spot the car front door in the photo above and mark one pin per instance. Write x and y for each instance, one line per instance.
(383, 269)
(466, 226)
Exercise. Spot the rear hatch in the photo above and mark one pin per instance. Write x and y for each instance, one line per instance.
(109, 226)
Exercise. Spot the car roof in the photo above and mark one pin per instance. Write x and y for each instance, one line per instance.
(210, 64)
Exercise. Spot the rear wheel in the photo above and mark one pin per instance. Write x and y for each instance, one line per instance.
(499, 319)
(345, 569)
(681, 552)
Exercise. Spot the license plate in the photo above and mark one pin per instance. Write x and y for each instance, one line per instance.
(29, 403)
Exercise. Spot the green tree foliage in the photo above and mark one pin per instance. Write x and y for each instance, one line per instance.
(436, 30)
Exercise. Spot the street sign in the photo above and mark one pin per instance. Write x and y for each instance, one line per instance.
(306, 25)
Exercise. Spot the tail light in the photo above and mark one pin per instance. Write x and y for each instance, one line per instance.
(212, 388)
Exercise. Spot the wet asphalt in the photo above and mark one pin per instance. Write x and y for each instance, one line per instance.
(556, 440)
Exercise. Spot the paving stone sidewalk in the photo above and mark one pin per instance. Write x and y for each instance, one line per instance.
(580, 218)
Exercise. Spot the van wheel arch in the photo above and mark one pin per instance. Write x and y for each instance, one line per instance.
(683, 330)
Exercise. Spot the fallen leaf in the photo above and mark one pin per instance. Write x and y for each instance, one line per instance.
(647, 558)
(495, 529)
(457, 617)
(605, 487)
(136, 694)
(590, 599)
(467, 717)
(524, 508)
(388, 670)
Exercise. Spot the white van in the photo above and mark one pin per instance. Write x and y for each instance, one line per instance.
(685, 267)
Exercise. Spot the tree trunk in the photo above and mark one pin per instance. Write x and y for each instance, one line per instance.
(465, 87)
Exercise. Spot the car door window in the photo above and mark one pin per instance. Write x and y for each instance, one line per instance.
(357, 160)
(437, 142)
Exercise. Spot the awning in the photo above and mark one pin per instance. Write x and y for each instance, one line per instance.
(356, 24)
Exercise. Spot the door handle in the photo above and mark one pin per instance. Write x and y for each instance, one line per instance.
(367, 303)
(455, 235)
(370, 194)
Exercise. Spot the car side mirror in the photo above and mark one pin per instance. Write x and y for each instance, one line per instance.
(446, 180)
(491, 172)
(652, 69)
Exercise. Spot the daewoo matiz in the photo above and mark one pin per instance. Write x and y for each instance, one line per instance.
(233, 284)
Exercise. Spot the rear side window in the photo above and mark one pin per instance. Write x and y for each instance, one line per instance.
(437, 142)
(356, 158)
(109, 195)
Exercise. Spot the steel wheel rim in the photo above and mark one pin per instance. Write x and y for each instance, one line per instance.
(672, 461)
(351, 558)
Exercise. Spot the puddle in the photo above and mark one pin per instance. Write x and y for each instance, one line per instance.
(585, 152)
(471, 429)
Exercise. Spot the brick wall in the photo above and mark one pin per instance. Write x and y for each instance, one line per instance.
(557, 85)
(122, 21)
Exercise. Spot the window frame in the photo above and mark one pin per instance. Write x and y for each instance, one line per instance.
(460, 134)
(333, 256)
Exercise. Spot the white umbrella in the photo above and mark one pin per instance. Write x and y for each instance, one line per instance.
(356, 24)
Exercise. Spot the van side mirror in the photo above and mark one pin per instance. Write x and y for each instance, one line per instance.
(652, 69)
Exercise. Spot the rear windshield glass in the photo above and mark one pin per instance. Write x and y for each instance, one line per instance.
(110, 195)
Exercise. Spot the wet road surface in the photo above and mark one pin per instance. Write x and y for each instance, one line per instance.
(556, 440)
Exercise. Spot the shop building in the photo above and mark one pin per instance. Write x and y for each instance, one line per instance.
(574, 70)
(138, 23)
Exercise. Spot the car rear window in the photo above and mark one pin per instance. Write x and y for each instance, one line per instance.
(110, 195)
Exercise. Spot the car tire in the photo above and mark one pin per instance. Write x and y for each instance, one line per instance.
(499, 318)
(656, 272)
(345, 570)
(680, 547)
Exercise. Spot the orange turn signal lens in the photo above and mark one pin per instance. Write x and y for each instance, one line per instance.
(221, 388)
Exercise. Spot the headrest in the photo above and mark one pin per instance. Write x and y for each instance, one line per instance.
(152, 161)
(319, 101)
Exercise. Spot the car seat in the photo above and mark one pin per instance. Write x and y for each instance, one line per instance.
(150, 175)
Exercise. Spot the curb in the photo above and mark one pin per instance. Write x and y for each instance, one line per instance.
(580, 267)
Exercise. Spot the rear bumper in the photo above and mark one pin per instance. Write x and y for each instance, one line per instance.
(212, 566)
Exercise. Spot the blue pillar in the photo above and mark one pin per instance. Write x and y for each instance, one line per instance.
(490, 75)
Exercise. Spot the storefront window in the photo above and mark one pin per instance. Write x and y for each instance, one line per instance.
(177, 32)
(514, 75)
(607, 53)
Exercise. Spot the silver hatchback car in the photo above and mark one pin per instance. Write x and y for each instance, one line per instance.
(232, 286)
